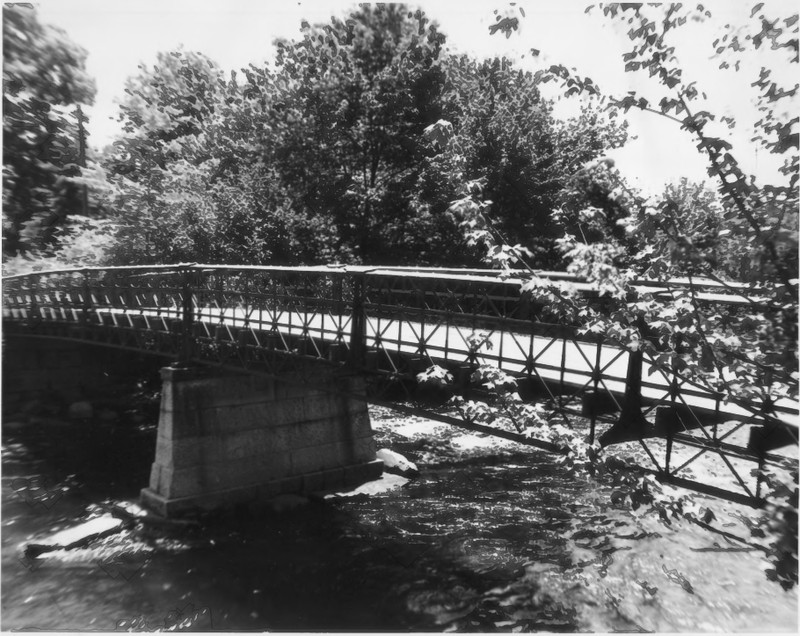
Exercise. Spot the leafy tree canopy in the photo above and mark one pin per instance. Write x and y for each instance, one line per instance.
(44, 80)
(328, 155)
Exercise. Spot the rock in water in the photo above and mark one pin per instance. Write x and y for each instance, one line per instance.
(396, 463)
(385, 483)
(76, 537)
(80, 410)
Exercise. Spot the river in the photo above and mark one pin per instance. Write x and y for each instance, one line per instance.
(491, 536)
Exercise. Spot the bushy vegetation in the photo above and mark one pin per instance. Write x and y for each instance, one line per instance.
(612, 236)
(44, 138)
(331, 153)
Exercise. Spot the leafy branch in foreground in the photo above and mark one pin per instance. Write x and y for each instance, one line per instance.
(614, 238)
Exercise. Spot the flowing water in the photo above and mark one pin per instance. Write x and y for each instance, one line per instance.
(490, 537)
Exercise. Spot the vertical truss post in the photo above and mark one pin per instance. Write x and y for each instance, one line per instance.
(759, 471)
(717, 400)
(358, 323)
(673, 385)
(631, 424)
(33, 306)
(563, 368)
(673, 396)
(338, 305)
(633, 382)
(668, 456)
(187, 316)
(767, 412)
(86, 307)
(595, 385)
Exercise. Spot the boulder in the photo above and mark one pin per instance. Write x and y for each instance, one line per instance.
(384, 483)
(78, 536)
(80, 410)
(396, 463)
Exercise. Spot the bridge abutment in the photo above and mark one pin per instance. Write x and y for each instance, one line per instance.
(52, 371)
(227, 438)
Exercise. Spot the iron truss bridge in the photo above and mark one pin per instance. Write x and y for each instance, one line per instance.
(389, 324)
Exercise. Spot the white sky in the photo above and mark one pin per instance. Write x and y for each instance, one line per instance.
(120, 34)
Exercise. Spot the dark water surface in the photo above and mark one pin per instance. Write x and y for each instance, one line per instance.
(495, 538)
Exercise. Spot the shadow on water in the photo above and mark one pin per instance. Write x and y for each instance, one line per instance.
(433, 554)
(483, 541)
(442, 552)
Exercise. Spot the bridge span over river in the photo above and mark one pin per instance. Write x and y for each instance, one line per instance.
(271, 369)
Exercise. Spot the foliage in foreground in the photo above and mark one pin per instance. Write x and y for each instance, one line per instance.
(613, 236)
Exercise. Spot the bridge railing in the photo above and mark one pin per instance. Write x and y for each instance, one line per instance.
(389, 324)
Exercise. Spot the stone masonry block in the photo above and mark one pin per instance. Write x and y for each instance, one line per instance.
(238, 390)
(316, 433)
(288, 411)
(262, 444)
(287, 484)
(315, 458)
(289, 391)
(356, 473)
(192, 422)
(212, 477)
(314, 481)
(325, 456)
(333, 478)
(157, 482)
(360, 424)
(235, 435)
(332, 429)
(191, 451)
(323, 406)
(363, 449)
(184, 388)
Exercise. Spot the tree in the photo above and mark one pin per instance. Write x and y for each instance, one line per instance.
(356, 136)
(505, 136)
(157, 168)
(190, 184)
(328, 156)
(351, 100)
(44, 135)
(164, 113)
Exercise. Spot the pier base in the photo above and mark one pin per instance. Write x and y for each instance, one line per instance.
(226, 438)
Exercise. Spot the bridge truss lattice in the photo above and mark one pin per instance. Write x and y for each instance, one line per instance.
(388, 325)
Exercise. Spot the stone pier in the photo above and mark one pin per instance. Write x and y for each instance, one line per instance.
(226, 438)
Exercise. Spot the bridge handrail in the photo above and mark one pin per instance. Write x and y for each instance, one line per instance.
(521, 274)
(734, 292)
